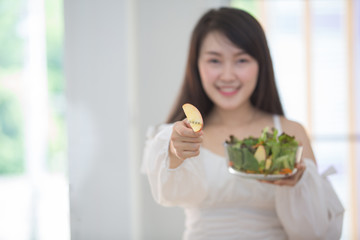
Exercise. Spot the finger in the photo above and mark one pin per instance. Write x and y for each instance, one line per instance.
(292, 180)
(180, 139)
(192, 140)
(265, 181)
(275, 182)
(184, 131)
(285, 182)
(187, 154)
(187, 124)
(190, 146)
(300, 171)
(299, 165)
(181, 146)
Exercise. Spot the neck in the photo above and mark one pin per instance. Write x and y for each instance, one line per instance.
(239, 117)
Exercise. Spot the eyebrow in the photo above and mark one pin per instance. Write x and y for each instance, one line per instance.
(218, 54)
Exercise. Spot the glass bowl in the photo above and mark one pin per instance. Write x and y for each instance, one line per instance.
(240, 160)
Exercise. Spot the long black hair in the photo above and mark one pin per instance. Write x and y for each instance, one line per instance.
(245, 32)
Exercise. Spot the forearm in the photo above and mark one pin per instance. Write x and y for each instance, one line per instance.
(172, 183)
(303, 209)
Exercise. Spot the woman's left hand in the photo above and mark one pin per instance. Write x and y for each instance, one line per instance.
(292, 180)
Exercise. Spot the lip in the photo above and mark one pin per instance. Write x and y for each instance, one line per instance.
(227, 92)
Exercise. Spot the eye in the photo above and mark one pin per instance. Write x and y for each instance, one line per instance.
(242, 60)
(213, 60)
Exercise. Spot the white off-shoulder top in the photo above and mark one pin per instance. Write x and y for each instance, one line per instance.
(222, 206)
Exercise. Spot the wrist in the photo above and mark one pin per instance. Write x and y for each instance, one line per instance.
(174, 160)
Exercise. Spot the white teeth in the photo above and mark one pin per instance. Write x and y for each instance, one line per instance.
(228, 89)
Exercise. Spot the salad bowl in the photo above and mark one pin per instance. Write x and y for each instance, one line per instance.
(269, 157)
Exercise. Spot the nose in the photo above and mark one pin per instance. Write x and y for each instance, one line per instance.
(228, 72)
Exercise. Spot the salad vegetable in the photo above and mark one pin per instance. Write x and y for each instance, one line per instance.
(268, 154)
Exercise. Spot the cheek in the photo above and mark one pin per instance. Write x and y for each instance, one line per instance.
(250, 75)
(254, 78)
(207, 73)
(207, 79)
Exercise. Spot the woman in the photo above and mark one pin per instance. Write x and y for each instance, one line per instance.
(229, 78)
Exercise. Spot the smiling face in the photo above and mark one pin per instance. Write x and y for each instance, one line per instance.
(228, 74)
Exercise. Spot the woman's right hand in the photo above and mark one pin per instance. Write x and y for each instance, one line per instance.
(184, 143)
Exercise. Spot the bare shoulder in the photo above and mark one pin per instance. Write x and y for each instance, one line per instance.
(296, 129)
(292, 127)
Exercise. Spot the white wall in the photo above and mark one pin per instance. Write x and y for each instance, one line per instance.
(97, 97)
(124, 62)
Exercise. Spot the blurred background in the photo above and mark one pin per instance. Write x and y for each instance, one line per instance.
(81, 81)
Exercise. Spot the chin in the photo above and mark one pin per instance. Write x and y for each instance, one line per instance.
(231, 105)
(228, 107)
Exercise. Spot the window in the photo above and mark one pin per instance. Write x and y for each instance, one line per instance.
(313, 47)
(33, 176)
